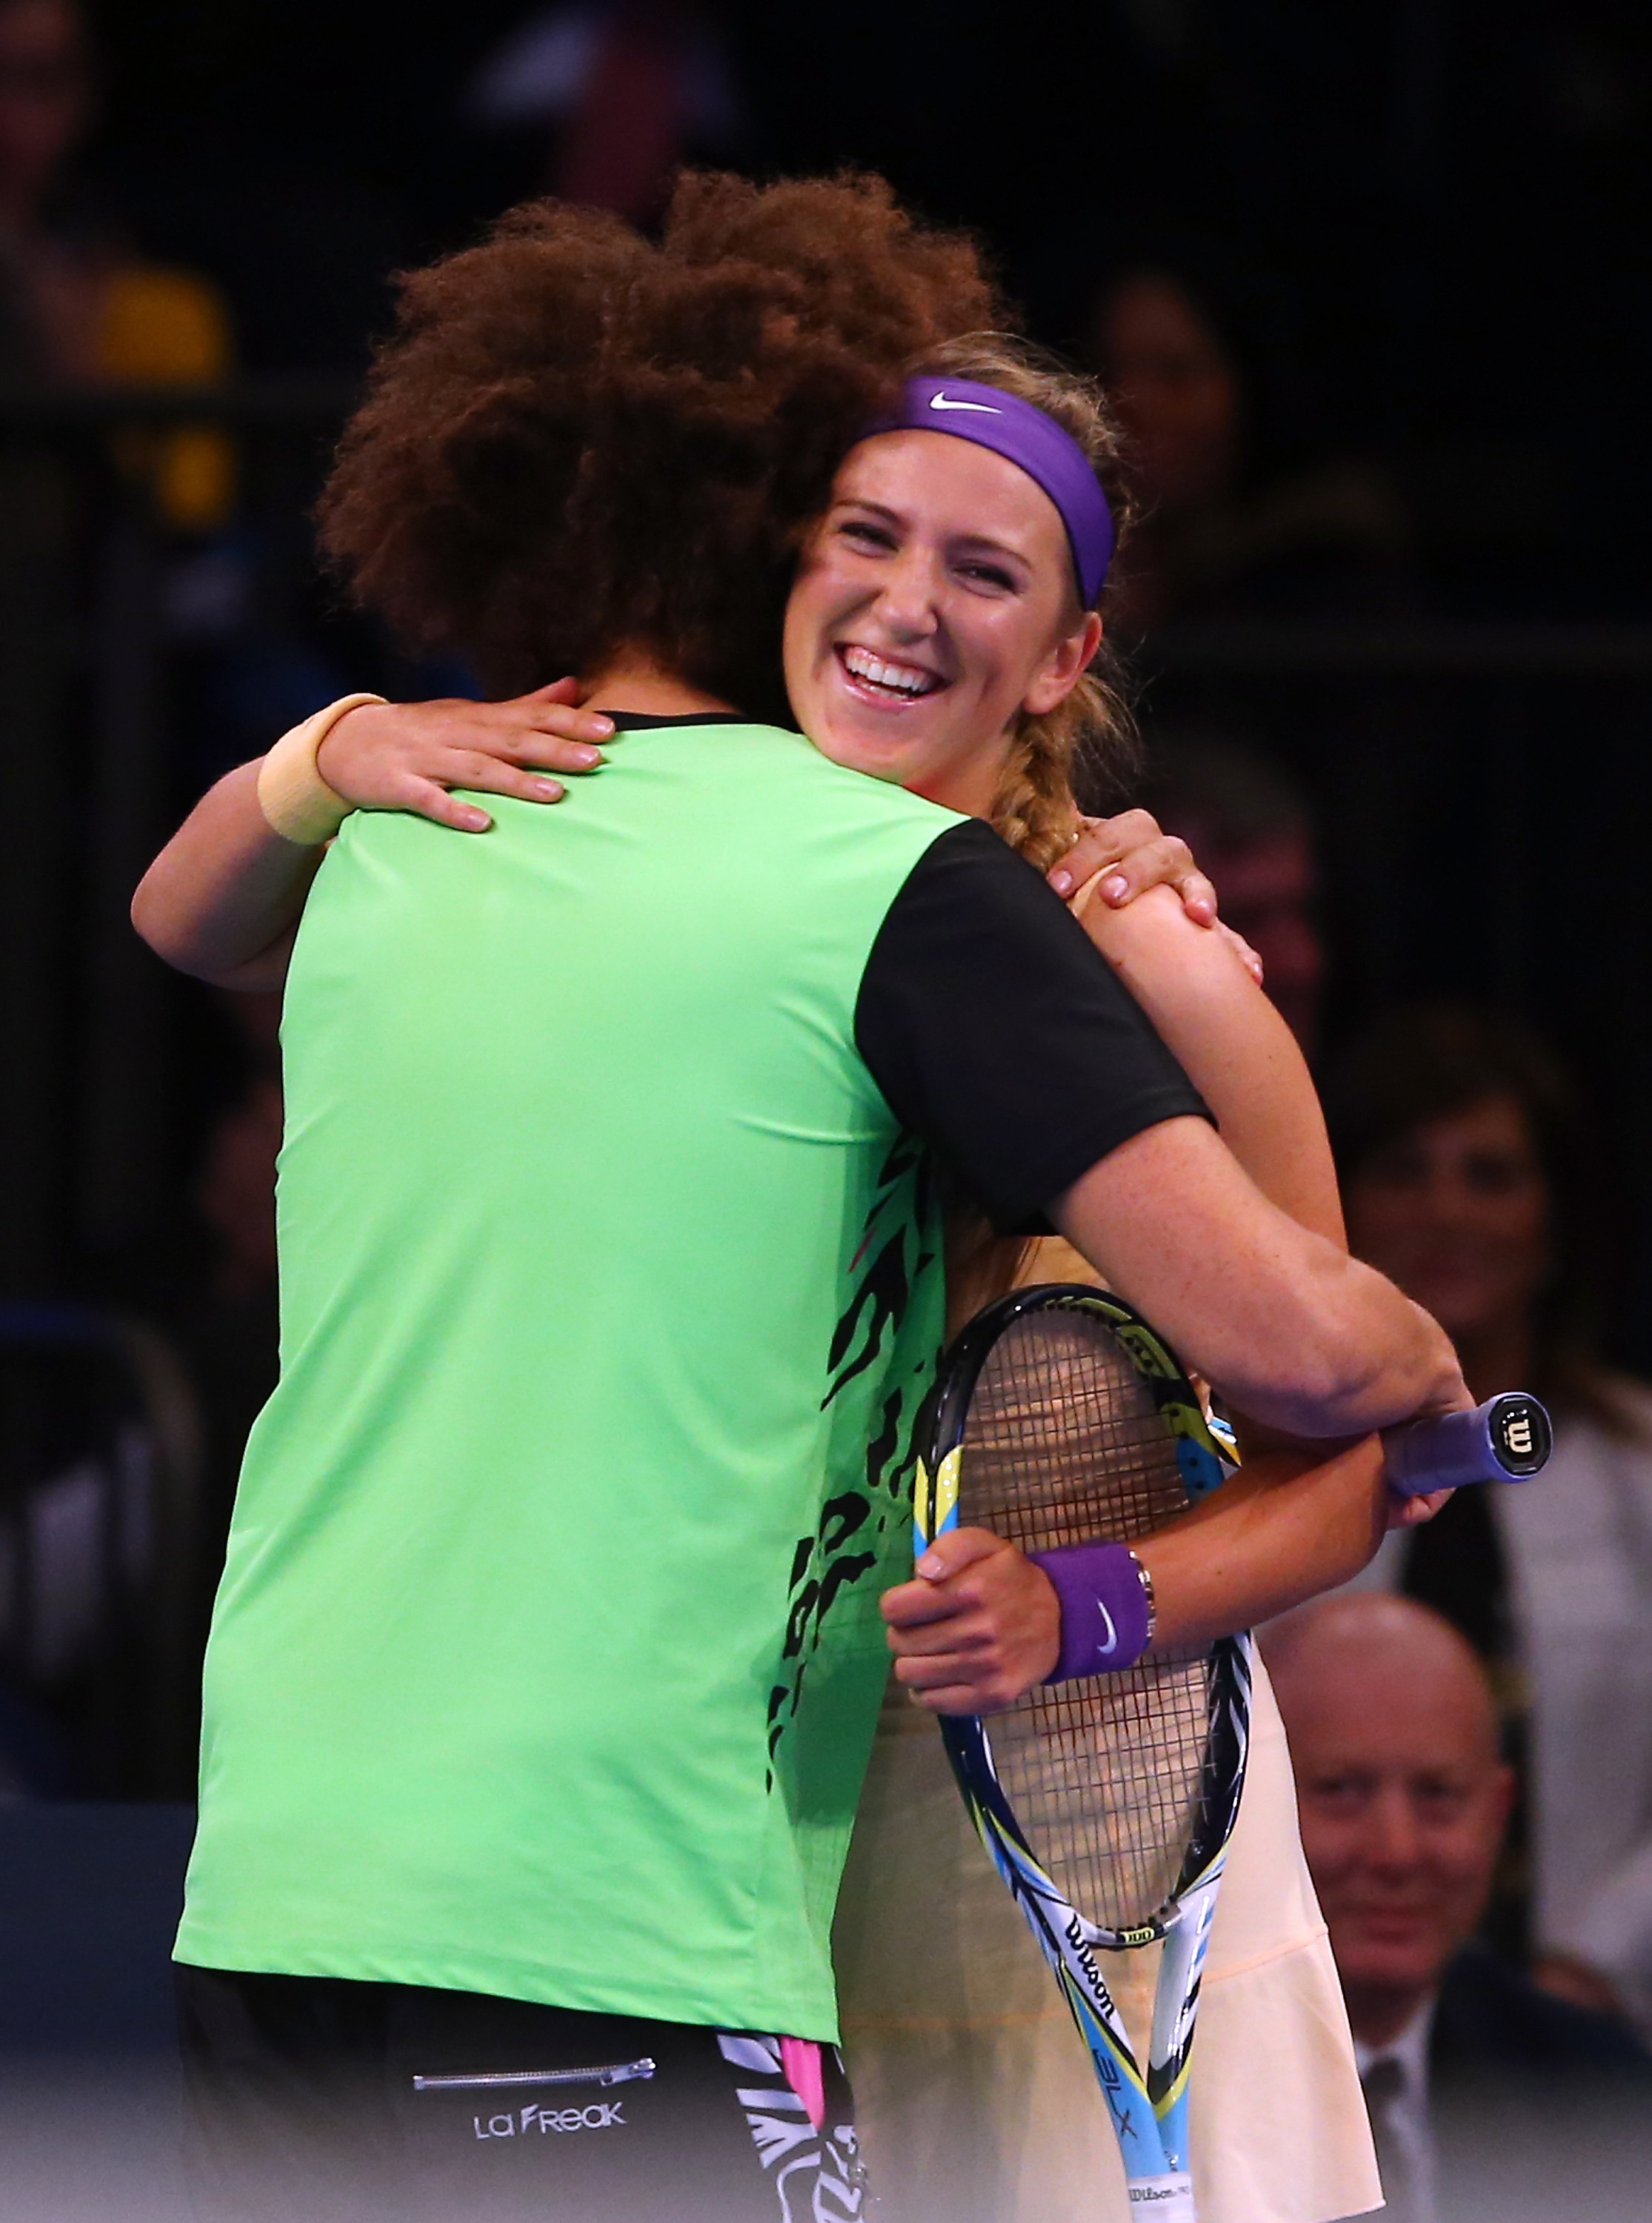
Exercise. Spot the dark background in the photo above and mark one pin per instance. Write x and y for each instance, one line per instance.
(1424, 219)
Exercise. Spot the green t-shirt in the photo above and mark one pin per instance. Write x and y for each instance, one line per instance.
(547, 1653)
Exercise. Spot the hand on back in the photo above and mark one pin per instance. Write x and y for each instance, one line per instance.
(406, 756)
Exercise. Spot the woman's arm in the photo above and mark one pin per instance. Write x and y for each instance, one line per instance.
(1284, 1528)
(981, 1624)
(223, 898)
(1232, 1044)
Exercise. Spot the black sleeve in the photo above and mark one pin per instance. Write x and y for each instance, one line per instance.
(997, 1030)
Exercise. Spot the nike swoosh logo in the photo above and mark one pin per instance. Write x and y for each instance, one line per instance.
(1112, 1643)
(940, 401)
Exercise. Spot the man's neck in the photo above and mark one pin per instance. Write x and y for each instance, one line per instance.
(633, 683)
(1376, 2015)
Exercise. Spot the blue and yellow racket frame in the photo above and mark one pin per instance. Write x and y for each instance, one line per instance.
(1149, 2110)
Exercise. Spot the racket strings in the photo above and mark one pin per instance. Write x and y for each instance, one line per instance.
(1106, 1786)
(1063, 1443)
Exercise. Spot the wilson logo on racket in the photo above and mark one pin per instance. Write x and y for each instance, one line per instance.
(1523, 1434)
(1080, 1946)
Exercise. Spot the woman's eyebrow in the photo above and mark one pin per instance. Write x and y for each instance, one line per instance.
(985, 540)
(967, 539)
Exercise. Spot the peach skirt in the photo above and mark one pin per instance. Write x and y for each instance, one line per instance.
(975, 2097)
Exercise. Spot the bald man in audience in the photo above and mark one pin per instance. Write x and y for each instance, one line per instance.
(1404, 1797)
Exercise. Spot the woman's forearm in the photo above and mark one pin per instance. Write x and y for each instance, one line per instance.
(224, 898)
(1281, 1530)
(1234, 1047)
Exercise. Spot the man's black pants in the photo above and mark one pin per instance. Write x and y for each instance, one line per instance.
(337, 2102)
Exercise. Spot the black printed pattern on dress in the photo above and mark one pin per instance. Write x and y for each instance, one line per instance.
(886, 1264)
(878, 1302)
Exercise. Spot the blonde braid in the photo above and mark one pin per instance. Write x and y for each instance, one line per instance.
(1034, 809)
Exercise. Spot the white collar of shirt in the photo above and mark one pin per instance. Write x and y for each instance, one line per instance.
(1409, 2050)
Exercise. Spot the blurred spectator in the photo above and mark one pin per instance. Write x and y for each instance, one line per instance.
(621, 92)
(200, 1275)
(100, 1472)
(223, 1316)
(1250, 828)
(1212, 543)
(1464, 1166)
(1403, 1799)
(78, 304)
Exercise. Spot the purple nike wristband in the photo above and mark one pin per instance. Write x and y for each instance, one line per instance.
(1106, 1614)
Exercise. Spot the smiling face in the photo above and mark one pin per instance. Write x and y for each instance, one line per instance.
(1176, 391)
(935, 601)
(1401, 1796)
(1456, 1211)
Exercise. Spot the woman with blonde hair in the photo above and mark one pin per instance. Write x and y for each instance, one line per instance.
(940, 633)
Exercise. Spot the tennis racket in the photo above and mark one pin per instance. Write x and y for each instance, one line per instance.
(1105, 1803)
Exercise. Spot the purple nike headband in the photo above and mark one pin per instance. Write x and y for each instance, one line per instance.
(1025, 436)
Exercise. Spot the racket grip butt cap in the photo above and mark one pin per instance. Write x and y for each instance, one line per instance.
(1106, 1599)
(1508, 1438)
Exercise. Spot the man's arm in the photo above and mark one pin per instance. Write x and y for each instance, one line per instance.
(994, 1027)
(997, 1030)
(1279, 1321)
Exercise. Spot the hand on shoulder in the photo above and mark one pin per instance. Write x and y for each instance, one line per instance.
(407, 756)
(1116, 862)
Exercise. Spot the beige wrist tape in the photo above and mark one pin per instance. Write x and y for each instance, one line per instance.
(292, 794)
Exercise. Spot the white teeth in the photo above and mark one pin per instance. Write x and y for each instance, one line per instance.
(899, 678)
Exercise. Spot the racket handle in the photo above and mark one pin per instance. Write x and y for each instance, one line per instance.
(1508, 1438)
